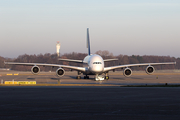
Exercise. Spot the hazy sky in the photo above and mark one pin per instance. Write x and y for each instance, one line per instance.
(129, 27)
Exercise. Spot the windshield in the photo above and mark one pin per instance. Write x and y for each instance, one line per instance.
(97, 63)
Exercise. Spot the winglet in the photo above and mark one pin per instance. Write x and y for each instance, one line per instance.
(88, 42)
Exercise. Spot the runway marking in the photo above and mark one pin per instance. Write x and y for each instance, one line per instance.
(12, 74)
(10, 82)
(8, 74)
(20, 82)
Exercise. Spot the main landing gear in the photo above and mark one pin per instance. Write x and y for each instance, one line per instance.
(79, 76)
(86, 77)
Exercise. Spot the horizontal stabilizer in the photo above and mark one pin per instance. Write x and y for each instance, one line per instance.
(70, 60)
(107, 60)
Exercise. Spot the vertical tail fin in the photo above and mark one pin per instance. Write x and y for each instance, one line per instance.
(88, 42)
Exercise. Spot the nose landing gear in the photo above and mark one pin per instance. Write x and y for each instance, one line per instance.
(99, 77)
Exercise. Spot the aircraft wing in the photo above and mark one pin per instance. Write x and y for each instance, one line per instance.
(82, 69)
(132, 65)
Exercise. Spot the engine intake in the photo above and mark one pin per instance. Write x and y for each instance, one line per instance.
(127, 72)
(150, 70)
(60, 72)
(35, 70)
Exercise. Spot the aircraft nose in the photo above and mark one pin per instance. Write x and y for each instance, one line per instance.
(97, 69)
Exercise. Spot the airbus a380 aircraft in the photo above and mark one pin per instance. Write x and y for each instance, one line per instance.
(93, 65)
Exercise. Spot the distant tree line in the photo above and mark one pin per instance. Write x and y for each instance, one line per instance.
(122, 59)
(2, 65)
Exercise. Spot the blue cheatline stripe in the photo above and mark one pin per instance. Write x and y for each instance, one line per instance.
(88, 42)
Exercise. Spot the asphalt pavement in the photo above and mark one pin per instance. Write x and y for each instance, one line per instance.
(90, 103)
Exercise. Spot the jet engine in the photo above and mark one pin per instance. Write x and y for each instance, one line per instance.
(60, 72)
(35, 69)
(150, 70)
(127, 72)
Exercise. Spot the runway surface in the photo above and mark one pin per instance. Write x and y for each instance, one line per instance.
(90, 103)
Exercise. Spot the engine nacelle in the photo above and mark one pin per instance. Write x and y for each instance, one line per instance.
(35, 70)
(127, 72)
(60, 72)
(150, 70)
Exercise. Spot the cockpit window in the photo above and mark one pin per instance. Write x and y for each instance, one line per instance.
(97, 63)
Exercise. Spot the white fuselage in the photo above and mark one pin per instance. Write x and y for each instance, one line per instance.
(94, 64)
